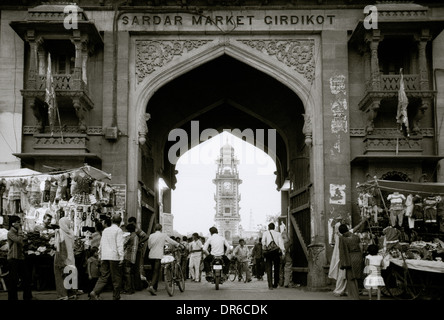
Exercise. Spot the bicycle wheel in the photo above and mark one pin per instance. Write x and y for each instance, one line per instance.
(180, 280)
(169, 281)
(401, 285)
(232, 273)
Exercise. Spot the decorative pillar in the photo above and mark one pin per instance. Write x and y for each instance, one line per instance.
(84, 64)
(80, 114)
(307, 129)
(77, 60)
(41, 53)
(425, 103)
(424, 85)
(33, 44)
(422, 60)
(373, 42)
(143, 127)
(367, 66)
(30, 102)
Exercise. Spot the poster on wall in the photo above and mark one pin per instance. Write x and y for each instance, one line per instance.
(337, 193)
(120, 190)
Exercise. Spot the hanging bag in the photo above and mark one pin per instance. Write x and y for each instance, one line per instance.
(271, 248)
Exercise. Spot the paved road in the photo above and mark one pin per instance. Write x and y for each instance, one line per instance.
(254, 291)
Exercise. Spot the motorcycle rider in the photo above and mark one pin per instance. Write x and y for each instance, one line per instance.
(218, 244)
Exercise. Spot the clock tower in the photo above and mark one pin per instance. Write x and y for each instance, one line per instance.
(227, 195)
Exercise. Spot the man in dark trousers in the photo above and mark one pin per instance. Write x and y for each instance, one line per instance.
(16, 261)
(111, 256)
(258, 259)
(143, 240)
(273, 259)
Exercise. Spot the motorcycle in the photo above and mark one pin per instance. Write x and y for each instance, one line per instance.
(218, 276)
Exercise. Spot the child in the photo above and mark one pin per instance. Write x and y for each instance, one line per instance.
(93, 268)
(373, 264)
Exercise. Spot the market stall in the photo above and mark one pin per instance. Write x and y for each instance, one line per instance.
(82, 194)
(406, 220)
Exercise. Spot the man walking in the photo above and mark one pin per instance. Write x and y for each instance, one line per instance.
(273, 259)
(138, 268)
(111, 254)
(156, 243)
(258, 259)
(195, 257)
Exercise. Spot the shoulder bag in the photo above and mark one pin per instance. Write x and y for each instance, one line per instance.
(271, 248)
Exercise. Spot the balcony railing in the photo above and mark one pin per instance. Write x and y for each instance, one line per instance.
(65, 82)
(391, 83)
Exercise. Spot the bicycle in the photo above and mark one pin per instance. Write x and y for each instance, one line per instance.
(173, 274)
(233, 270)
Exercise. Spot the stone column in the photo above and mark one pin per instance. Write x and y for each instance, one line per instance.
(422, 60)
(33, 45)
(372, 112)
(317, 264)
(373, 43)
(77, 77)
(41, 53)
(30, 104)
(80, 114)
(424, 85)
(85, 55)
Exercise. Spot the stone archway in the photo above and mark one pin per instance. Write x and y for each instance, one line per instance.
(311, 124)
(308, 92)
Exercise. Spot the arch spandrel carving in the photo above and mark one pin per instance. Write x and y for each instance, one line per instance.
(294, 56)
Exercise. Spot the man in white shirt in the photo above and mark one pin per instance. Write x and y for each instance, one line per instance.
(111, 257)
(218, 247)
(156, 244)
(195, 257)
(274, 258)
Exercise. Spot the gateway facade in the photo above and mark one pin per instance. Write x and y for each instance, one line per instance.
(138, 83)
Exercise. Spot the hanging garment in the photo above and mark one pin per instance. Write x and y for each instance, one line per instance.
(417, 213)
(46, 190)
(440, 215)
(430, 208)
(409, 211)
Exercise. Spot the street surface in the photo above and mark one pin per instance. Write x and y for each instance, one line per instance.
(253, 291)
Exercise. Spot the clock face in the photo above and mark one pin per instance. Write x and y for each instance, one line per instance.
(227, 185)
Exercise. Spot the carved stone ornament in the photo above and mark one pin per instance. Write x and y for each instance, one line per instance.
(151, 55)
(143, 127)
(307, 130)
(298, 54)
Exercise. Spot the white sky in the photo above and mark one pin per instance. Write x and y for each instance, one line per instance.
(192, 202)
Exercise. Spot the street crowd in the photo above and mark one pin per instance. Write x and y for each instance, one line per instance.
(118, 254)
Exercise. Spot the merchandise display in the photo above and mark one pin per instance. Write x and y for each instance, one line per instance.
(80, 194)
(408, 219)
